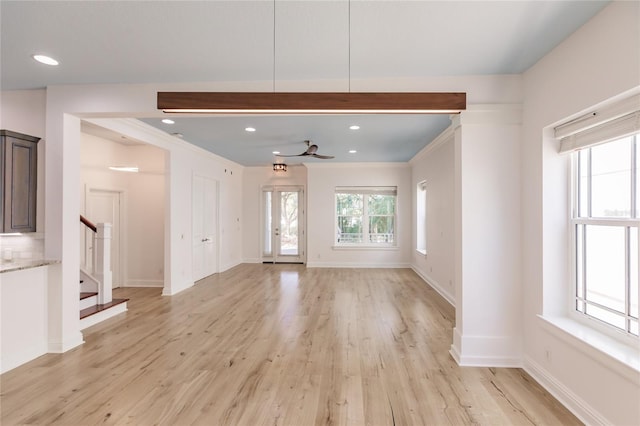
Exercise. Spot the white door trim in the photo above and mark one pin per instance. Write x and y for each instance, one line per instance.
(302, 249)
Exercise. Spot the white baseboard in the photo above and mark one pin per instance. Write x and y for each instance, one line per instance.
(357, 265)
(174, 290)
(569, 399)
(145, 283)
(252, 260)
(485, 351)
(435, 285)
(228, 266)
(58, 347)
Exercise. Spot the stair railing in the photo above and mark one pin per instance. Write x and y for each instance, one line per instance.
(101, 261)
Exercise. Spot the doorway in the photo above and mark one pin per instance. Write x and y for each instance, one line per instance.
(105, 206)
(283, 224)
(205, 227)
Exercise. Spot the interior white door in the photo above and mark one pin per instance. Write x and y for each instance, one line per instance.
(283, 224)
(204, 227)
(104, 206)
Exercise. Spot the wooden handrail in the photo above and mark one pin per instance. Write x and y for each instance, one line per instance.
(88, 223)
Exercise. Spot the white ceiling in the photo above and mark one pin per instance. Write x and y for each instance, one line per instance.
(100, 42)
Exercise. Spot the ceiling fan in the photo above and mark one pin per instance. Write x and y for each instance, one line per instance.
(311, 152)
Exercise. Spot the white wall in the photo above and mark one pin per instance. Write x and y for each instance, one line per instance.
(322, 180)
(143, 194)
(435, 165)
(599, 61)
(254, 178)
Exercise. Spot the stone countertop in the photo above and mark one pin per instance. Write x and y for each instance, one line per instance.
(19, 264)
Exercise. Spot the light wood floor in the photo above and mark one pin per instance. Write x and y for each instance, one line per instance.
(276, 345)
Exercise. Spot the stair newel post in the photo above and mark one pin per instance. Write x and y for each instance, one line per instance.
(102, 265)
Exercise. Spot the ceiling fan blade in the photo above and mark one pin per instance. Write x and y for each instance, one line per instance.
(323, 157)
(295, 155)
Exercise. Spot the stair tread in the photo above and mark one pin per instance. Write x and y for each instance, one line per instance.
(91, 310)
(87, 294)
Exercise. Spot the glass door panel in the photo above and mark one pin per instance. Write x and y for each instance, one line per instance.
(288, 224)
(282, 224)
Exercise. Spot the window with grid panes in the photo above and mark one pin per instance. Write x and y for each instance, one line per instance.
(605, 226)
(365, 215)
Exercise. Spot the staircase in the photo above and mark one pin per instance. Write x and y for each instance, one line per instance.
(96, 303)
(92, 313)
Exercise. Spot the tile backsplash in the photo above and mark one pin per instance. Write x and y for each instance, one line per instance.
(21, 246)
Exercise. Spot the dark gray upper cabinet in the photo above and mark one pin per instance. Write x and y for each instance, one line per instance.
(18, 186)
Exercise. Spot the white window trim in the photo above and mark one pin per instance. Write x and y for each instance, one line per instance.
(365, 191)
(607, 349)
(601, 125)
(614, 350)
(587, 322)
(421, 225)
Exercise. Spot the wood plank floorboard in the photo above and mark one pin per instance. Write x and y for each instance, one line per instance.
(275, 345)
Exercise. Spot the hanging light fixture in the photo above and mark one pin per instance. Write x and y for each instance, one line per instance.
(279, 167)
(312, 102)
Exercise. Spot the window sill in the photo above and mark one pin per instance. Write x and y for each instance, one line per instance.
(606, 349)
(421, 252)
(363, 247)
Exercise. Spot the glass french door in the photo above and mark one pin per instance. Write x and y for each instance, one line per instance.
(283, 224)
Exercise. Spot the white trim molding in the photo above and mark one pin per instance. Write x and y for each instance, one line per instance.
(579, 407)
(485, 351)
(435, 285)
(145, 283)
(357, 265)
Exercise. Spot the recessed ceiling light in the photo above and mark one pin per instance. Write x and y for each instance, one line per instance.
(354, 127)
(168, 121)
(250, 129)
(352, 151)
(276, 152)
(45, 60)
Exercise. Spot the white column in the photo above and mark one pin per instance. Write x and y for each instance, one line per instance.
(487, 236)
(62, 233)
(102, 267)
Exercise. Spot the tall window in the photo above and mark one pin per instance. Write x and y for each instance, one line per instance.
(421, 217)
(365, 215)
(605, 222)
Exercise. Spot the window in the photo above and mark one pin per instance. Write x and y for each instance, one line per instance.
(421, 217)
(365, 215)
(605, 225)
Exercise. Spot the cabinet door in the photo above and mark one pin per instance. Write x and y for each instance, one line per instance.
(20, 184)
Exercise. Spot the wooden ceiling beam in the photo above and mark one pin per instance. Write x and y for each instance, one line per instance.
(313, 102)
